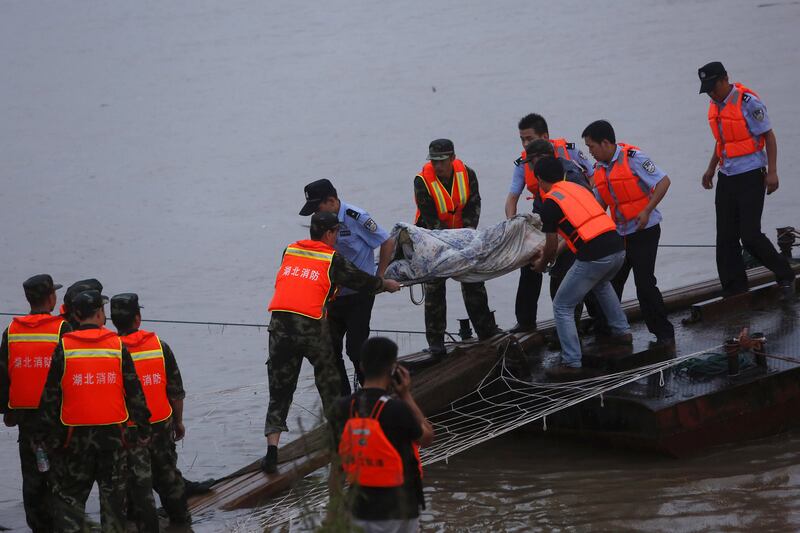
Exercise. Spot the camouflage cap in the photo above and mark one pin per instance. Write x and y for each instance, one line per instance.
(323, 221)
(125, 304)
(39, 286)
(90, 284)
(538, 147)
(440, 149)
(86, 303)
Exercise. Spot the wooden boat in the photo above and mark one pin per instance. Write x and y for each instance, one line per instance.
(437, 383)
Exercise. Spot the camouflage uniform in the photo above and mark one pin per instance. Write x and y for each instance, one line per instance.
(293, 336)
(475, 298)
(81, 455)
(36, 494)
(156, 466)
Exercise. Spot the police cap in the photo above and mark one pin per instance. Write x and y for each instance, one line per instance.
(316, 192)
(709, 74)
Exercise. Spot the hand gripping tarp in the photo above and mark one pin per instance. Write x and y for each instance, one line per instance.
(464, 254)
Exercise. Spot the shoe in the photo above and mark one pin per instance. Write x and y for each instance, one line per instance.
(269, 463)
(522, 328)
(563, 372)
(198, 487)
(787, 292)
(665, 344)
(622, 339)
(491, 333)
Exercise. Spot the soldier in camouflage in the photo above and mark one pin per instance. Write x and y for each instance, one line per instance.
(441, 154)
(40, 291)
(294, 334)
(81, 455)
(155, 466)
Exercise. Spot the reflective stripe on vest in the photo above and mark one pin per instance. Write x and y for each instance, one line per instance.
(303, 281)
(368, 458)
(729, 126)
(31, 342)
(621, 191)
(449, 205)
(92, 389)
(148, 358)
(531, 181)
(587, 219)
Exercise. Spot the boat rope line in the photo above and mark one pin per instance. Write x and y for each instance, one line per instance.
(500, 404)
(245, 324)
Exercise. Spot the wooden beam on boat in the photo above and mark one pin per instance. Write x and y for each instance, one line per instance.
(434, 387)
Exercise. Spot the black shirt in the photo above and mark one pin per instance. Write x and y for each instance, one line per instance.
(604, 244)
(401, 429)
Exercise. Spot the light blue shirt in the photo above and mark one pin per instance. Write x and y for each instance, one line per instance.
(359, 235)
(649, 175)
(755, 115)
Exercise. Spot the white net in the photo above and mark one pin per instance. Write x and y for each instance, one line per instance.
(500, 404)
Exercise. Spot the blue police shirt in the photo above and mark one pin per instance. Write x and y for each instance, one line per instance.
(649, 175)
(755, 115)
(359, 235)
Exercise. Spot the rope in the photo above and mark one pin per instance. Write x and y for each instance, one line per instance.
(240, 324)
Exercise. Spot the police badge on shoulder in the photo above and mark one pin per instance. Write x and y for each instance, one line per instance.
(371, 225)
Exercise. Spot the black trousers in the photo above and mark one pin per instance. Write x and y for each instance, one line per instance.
(527, 303)
(739, 202)
(640, 257)
(349, 315)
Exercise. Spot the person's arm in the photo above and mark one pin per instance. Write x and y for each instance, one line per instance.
(50, 402)
(708, 176)
(428, 218)
(5, 383)
(346, 274)
(385, 256)
(403, 390)
(134, 398)
(511, 204)
(771, 179)
(175, 391)
(472, 210)
(548, 252)
(655, 197)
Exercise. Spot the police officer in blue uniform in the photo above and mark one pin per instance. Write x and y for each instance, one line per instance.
(743, 179)
(359, 235)
(533, 127)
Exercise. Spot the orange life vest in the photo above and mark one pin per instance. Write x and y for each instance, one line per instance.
(92, 388)
(31, 342)
(368, 458)
(628, 199)
(148, 358)
(303, 281)
(587, 217)
(729, 126)
(449, 205)
(531, 181)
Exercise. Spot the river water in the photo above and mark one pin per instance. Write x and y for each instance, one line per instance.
(163, 147)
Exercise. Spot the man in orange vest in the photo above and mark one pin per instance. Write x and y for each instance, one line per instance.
(447, 197)
(25, 356)
(533, 127)
(742, 130)
(308, 277)
(91, 392)
(382, 463)
(572, 213)
(154, 466)
(631, 186)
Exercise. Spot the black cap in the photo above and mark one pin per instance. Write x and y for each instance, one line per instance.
(80, 286)
(709, 74)
(537, 148)
(549, 169)
(86, 303)
(125, 304)
(440, 149)
(39, 286)
(316, 192)
(323, 221)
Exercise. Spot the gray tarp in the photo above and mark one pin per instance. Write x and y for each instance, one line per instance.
(464, 254)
